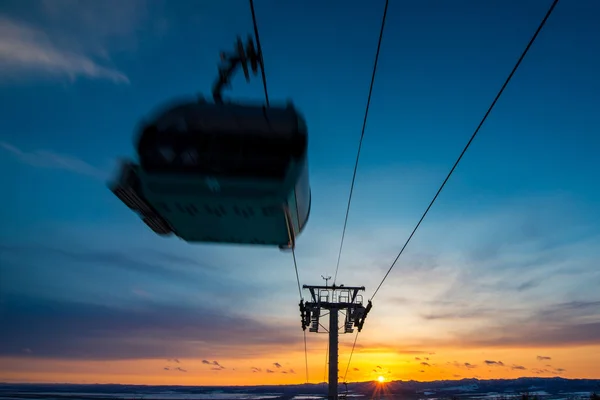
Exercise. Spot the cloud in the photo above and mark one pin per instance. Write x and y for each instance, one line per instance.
(270, 371)
(539, 371)
(102, 258)
(355, 369)
(530, 284)
(255, 369)
(418, 358)
(542, 358)
(74, 330)
(178, 369)
(277, 365)
(52, 160)
(494, 363)
(518, 367)
(569, 323)
(426, 364)
(470, 366)
(27, 50)
(216, 366)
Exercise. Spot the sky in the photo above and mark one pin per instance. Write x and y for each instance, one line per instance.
(500, 281)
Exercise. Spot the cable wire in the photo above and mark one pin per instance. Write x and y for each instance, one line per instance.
(305, 356)
(531, 41)
(297, 276)
(351, 352)
(264, 80)
(326, 359)
(260, 53)
(362, 135)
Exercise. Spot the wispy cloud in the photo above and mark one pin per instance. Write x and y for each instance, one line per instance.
(216, 366)
(27, 50)
(494, 363)
(53, 160)
(75, 330)
(543, 358)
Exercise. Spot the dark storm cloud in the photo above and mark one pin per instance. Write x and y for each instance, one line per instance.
(61, 329)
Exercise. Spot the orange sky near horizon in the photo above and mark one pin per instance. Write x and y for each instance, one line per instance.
(577, 362)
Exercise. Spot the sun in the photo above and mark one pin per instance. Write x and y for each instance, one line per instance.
(381, 379)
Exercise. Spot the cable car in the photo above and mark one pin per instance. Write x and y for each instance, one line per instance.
(221, 172)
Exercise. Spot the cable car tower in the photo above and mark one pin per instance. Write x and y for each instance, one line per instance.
(334, 299)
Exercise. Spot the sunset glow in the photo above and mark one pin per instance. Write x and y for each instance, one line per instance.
(499, 281)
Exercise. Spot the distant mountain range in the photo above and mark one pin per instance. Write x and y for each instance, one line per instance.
(549, 388)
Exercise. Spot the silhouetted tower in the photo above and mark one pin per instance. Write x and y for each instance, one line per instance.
(334, 298)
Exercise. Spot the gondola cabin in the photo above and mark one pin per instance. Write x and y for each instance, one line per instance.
(221, 173)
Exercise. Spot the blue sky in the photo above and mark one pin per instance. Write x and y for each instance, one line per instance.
(514, 234)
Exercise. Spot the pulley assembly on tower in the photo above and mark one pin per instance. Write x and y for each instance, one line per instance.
(221, 171)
